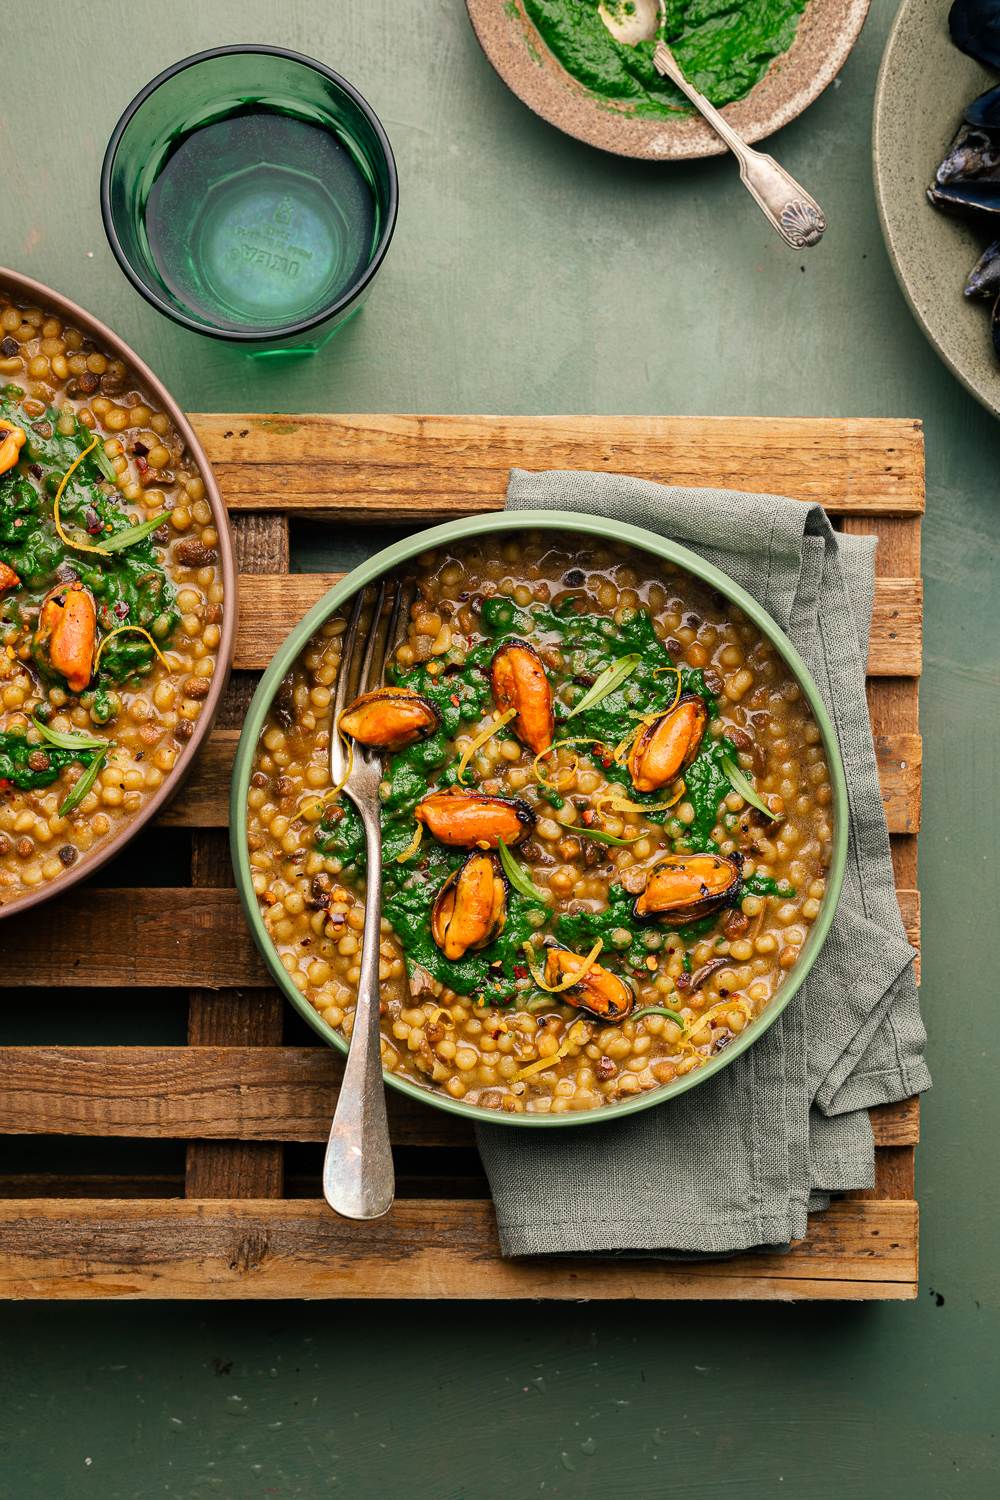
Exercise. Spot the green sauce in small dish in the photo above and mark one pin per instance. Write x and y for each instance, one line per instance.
(724, 48)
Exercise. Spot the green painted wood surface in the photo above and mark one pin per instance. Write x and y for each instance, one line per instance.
(532, 274)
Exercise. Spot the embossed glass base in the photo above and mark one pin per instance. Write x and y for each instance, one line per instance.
(251, 194)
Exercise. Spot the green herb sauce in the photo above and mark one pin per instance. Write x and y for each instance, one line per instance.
(130, 587)
(15, 771)
(724, 47)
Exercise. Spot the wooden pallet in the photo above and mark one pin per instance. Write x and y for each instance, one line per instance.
(228, 1203)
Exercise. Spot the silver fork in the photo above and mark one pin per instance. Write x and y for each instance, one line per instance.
(358, 1178)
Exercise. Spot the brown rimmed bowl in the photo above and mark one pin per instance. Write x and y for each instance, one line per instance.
(826, 33)
(36, 294)
(565, 525)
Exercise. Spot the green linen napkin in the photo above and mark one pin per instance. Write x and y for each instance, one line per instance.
(740, 1161)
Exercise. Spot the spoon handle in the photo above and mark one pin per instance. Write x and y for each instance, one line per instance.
(358, 1180)
(796, 215)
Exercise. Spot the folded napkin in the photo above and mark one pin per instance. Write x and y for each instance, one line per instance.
(741, 1160)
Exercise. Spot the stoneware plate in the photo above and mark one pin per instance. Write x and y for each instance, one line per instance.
(566, 524)
(826, 33)
(35, 294)
(923, 87)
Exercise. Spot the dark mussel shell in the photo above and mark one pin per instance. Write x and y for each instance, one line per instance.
(975, 29)
(984, 111)
(984, 278)
(968, 180)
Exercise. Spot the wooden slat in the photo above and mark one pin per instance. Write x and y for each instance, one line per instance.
(858, 1249)
(271, 605)
(420, 469)
(203, 801)
(176, 937)
(254, 1017)
(252, 1093)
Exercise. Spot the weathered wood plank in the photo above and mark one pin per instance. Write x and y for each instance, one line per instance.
(203, 801)
(271, 604)
(165, 938)
(253, 1017)
(436, 1249)
(249, 1093)
(380, 468)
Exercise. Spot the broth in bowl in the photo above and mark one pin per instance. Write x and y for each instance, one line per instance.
(607, 825)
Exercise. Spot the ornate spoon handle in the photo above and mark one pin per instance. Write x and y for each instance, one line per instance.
(796, 216)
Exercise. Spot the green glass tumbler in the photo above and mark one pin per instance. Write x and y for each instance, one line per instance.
(250, 193)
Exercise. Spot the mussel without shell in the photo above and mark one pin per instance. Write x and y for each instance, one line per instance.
(64, 640)
(668, 745)
(474, 820)
(686, 887)
(390, 718)
(471, 906)
(518, 680)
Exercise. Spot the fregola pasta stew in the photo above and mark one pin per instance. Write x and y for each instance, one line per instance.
(111, 597)
(606, 819)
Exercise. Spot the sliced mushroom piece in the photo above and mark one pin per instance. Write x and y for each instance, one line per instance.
(471, 907)
(519, 682)
(64, 640)
(685, 887)
(470, 820)
(599, 991)
(390, 718)
(668, 745)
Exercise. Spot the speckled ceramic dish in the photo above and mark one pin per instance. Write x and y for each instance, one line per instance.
(923, 86)
(826, 33)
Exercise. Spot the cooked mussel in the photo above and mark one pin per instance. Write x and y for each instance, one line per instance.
(63, 644)
(975, 29)
(685, 887)
(668, 745)
(519, 682)
(600, 991)
(390, 718)
(471, 906)
(984, 278)
(474, 820)
(11, 442)
(968, 180)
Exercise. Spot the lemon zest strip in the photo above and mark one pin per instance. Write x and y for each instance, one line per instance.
(547, 1062)
(80, 546)
(412, 846)
(569, 980)
(124, 630)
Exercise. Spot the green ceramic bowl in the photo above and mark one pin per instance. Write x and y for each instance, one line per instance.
(563, 523)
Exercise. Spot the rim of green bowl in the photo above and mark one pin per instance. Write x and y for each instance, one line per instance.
(497, 523)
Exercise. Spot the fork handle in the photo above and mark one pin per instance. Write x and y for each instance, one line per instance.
(358, 1180)
(789, 209)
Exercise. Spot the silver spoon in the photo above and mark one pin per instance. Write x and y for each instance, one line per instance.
(796, 216)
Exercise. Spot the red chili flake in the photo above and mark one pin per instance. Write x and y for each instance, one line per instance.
(121, 609)
(455, 700)
(606, 760)
(4, 784)
(520, 972)
(589, 816)
(141, 464)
